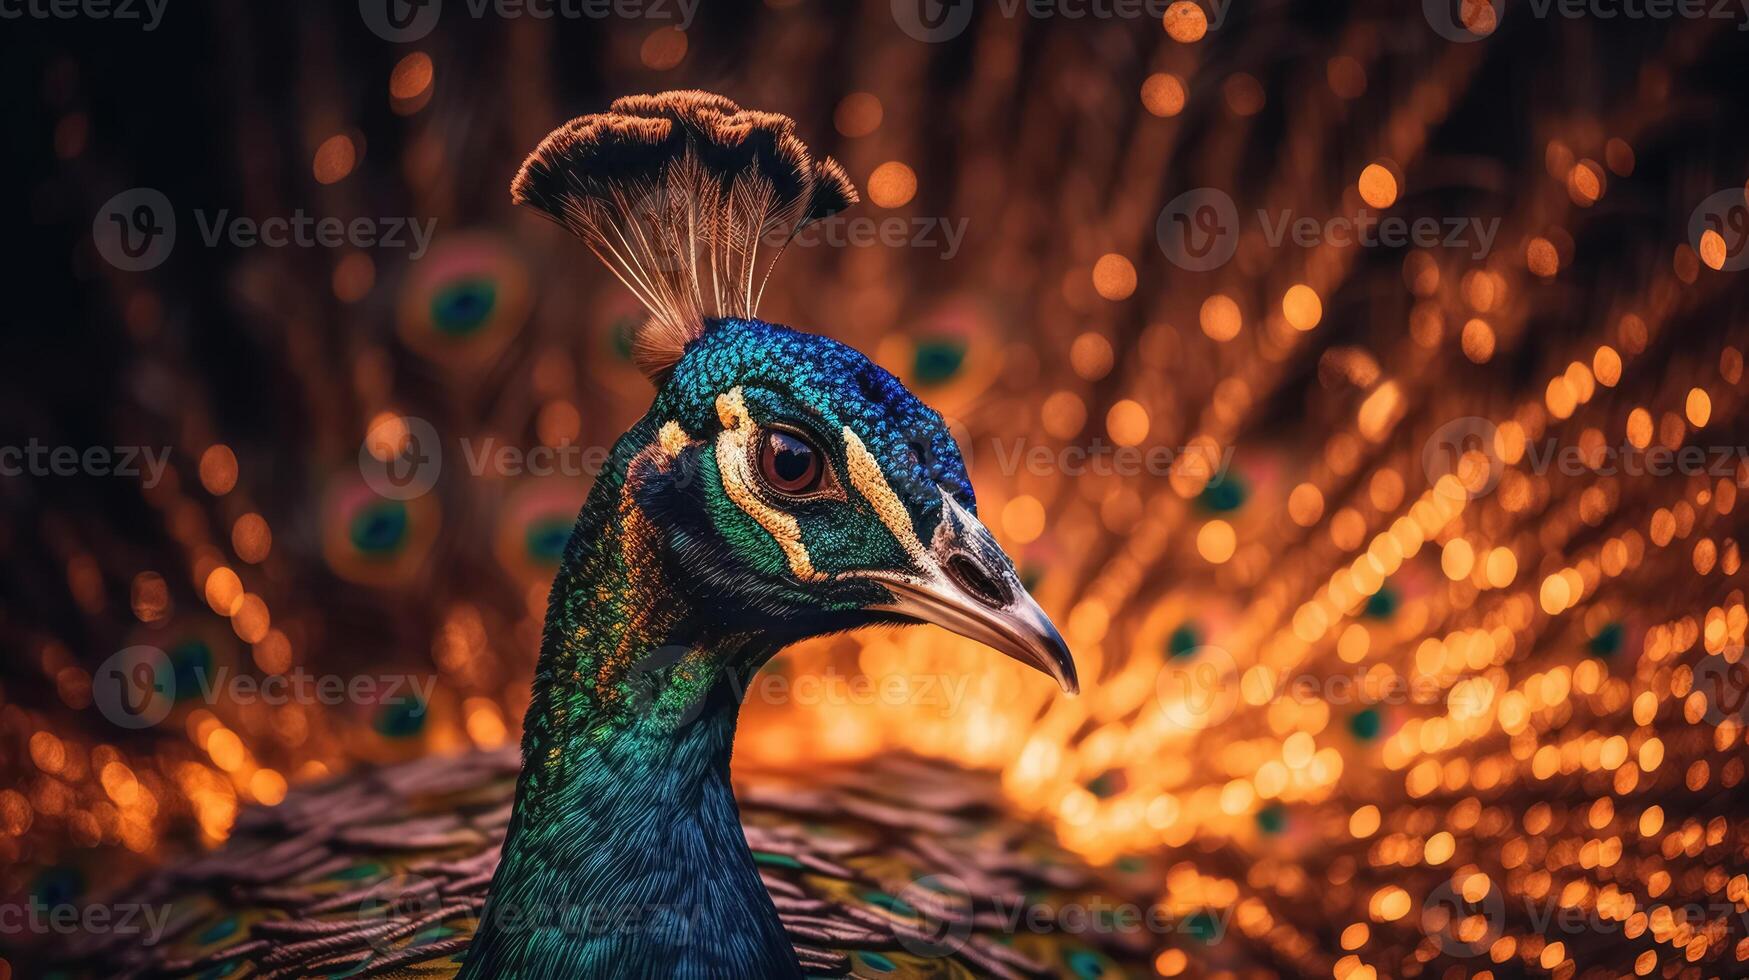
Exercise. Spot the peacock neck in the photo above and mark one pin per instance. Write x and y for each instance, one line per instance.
(625, 855)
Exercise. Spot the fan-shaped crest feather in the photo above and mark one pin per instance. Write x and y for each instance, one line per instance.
(676, 192)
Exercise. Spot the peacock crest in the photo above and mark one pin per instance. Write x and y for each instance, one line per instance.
(689, 199)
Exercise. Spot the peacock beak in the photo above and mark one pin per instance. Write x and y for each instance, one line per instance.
(970, 587)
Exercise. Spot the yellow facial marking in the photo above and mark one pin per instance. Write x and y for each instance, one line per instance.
(673, 438)
(867, 478)
(735, 463)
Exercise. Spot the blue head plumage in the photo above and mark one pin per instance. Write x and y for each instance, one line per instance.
(788, 485)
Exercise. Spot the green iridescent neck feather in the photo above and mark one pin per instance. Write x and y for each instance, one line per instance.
(781, 486)
(625, 846)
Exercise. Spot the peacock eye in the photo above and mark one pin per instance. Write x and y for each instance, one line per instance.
(789, 464)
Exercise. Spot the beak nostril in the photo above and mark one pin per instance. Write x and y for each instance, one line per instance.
(968, 575)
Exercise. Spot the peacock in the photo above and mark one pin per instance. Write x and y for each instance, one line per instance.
(781, 486)
(1366, 692)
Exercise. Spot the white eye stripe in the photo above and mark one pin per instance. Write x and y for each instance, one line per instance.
(867, 478)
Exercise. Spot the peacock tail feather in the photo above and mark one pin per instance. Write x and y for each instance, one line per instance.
(897, 870)
(1306, 822)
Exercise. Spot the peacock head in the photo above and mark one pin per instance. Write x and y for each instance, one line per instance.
(795, 487)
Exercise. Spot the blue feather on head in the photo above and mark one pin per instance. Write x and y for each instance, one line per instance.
(780, 486)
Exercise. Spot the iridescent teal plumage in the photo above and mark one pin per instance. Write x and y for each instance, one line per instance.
(626, 801)
(694, 561)
(781, 486)
(384, 873)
